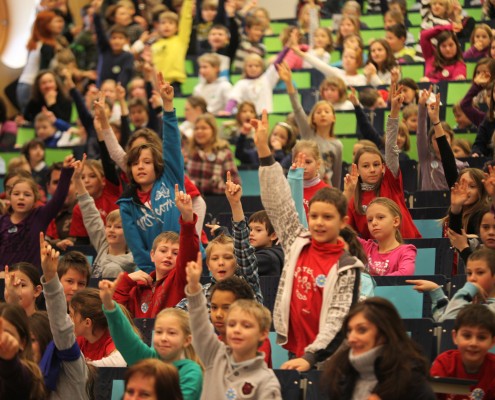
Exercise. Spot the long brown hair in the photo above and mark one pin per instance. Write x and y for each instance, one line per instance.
(358, 193)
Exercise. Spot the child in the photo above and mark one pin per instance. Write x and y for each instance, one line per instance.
(308, 313)
(213, 89)
(395, 17)
(248, 324)
(411, 91)
(435, 13)
(242, 133)
(210, 157)
(73, 272)
(375, 177)
(194, 107)
(146, 295)
(481, 39)
(21, 226)
(387, 253)
(223, 42)
(349, 25)
(443, 62)
(318, 126)
(34, 151)
(107, 237)
(396, 36)
(462, 121)
(54, 132)
(208, 12)
(23, 286)
(479, 288)
(91, 330)
(410, 117)
(334, 90)
(474, 335)
(171, 340)
(381, 61)
(71, 379)
(250, 44)
(461, 148)
(169, 51)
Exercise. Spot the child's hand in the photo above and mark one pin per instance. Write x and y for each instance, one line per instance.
(68, 78)
(261, 135)
(12, 287)
(299, 364)
(68, 161)
(397, 99)
(457, 27)
(434, 110)
(212, 228)
(78, 169)
(120, 92)
(107, 289)
(284, 72)
(100, 119)
(141, 276)
(49, 259)
(48, 114)
(369, 70)
(193, 271)
(353, 98)
(482, 296)
(458, 196)
(155, 99)
(9, 346)
(50, 97)
(166, 92)
(458, 241)
(233, 191)
(422, 285)
(489, 182)
(483, 78)
(424, 95)
(299, 162)
(394, 76)
(184, 204)
(351, 181)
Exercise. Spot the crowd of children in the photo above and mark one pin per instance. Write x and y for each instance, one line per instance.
(116, 232)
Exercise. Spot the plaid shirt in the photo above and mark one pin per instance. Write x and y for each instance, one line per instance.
(208, 171)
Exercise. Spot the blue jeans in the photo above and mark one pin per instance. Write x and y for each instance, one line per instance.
(23, 93)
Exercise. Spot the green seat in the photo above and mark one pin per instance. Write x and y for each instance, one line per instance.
(372, 34)
(413, 150)
(190, 71)
(476, 13)
(456, 91)
(412, 308)
(188, 86)
(281, 103)
(274, 118)
(415, 31)
(278, 27)
(449, 116)
(413, 71)
(272, 44)
(56, 155)
(24, 135)
(335, 56)
(234, 78)
(302, 79)
(180, 104)
(74, 116)
(348, 143)
(279, 354)
(374, 21)
(470, 137)
(470, 67)
(414, 18)
(345, 123)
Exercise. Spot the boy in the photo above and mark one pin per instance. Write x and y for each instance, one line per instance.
(480, 285)
(146, 295)
(320, 280)
(211, 12)
(474, 335)
(461, 119)
(113, 61)
(54, 132)
(396, 36)
(223, 295)
(248, 324)
(410, 117)
(169, 51)
(73, 272)
(224, 42)
(250, 43)
(213, 89)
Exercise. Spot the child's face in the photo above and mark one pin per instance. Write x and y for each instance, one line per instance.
(473, 192)
(203, 134)
(487, 230)
(253, 68)
(109, 90)
(167, 28)
(44, 129)
(388, 21)
(80, 324)
(123, 16)
(138, 116)
(370, 168)
(243, 334)
(36, 155)
(347, 27)
(381, 223)
(459, 152)
(492, 49)
(222, 262)
(331, 94)
(409, 95)
(246, 114)
(461, 119)
(165, 256)
(56, 26)
(321, 39)
(93, 182)
(478, 271)
(191, 113)
(217, 38)
(169, 339)
(263, 18)
(481, 39)
(378, 53)
(311, 165)
(117, 42)
(115, 233)
(138, 89)
(140, 387)
(352, 43)
(258, 235)
(362, 335)
(324, 116)
(220, 304)
(325, 222)
(349, 60)
(255, 33)
(26, 291)
(209, 14)
(401, 140)
(438, 8)
(22, 198)
(73, 281)
(395, 43)
(47, 83)
(412, 123)
(473, 342)
(279, 135)
(143, 170)
(448, 49)
(208, 71)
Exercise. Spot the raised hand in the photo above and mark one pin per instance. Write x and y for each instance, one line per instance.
(184, 204)
(12, 287)
(9, 346)
(422, 285)
(424, 95)
(166, 92)
(49, 259)
(100, 120)
(489, 182)
(194, 270)
(397, 100)
(233, 191)
(299, 162)
(261, 135)
(285, 74)
(68, 161)
(434, 110)
(353, 98)
(458, 196)
(120, 92)
(351, 181)
(155, 99)
(107, 289)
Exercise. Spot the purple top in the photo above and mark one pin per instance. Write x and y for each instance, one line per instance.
(20, 242)
(475, 115)
(399, 261)
(474, 54)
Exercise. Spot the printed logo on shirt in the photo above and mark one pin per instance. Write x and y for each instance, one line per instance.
(477, 394)
(378, 267)
(162, 193)
(305, 283)
(230, 394)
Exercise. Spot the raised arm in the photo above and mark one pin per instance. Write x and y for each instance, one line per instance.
(320, 65)
(421, 132)
(366, 130)
(391, 149)
(425, 39)
(474, 114)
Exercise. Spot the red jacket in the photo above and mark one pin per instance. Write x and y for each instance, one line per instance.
(145, 301)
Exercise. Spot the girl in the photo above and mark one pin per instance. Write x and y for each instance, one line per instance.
(436, 13)
(461, 148)
(41, 335)
(23, 286)
(21, 226)
(381, 61)
(318, 126)
(91, 330)
(171, 340)
(411, 91)
(154, 379)
(210, 157)
(34, 151)
(334, 90)
(374, 176)
(107, 238)
(349, 25)
(443, 62)
(321, 45)
(481, 39)
(387, 254)
(42, 47)
(241, 135)
(380, 358)
(20, 377)
(482, 146)
(194, 107)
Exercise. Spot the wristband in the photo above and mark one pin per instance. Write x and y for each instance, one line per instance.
(438, 123)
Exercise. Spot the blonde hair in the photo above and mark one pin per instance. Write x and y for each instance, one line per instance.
(252, 57)
(96, 167)
(223, 240)
(259, 312)
(336, 82)
(168, 236)
(484, 27)
(312, 112)
(169, 16)
(210, 58)
(354, 21)
(310, 145)
(394, 209)
(114, 216)
(216, 143)
(17, 163)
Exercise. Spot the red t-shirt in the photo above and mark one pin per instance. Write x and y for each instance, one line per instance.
(449, 365)
(309, 192)
(102, 348)
(310, 275)
(393, 189)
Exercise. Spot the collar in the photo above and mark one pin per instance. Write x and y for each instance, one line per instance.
(364, 363)
(312, 182)
(367, 186)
